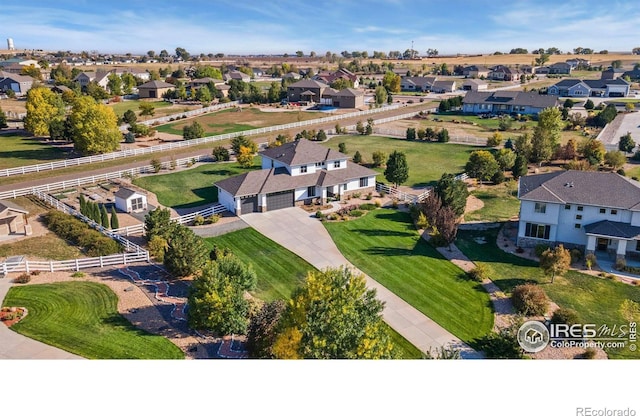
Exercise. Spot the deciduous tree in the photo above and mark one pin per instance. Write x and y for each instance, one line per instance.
(626, 144)
(506, 159)
(43, 106)
(546, 134)
(146, 109)
(3, 119)
(615, 158)
(245, 157)
(555, 262)
(93, 127)
(391, 82)
(397, 171)
(186, 252)
(482, 165)
(452, 193)
(241, 140)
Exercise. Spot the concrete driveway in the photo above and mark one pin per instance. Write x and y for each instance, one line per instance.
(19, 347)
(304, 235)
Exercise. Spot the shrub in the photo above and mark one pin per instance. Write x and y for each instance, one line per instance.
(367, 207)
(576, 255)
(437, 240)
(565, 316)
(589, 354)
(620, 264)
(369, 196)
(541, 248)
(422, 222)
(356, 213)
(212, 219)
(394, 203)
(501, 345)
(498, 177)
(319, 214)
(77, 274)
(590, 260)
(378, 203)
(198, 220)
(35, 272)
(478, 273)
(530, 300)
(220, 153)
(156, 165)
(23, 278)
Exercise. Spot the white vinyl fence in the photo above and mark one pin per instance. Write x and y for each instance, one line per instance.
(191, 113)
(412, 198)
(26, 266)
(479, 141)
(186, 143)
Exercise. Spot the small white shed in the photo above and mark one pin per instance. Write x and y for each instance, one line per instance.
(129, 200)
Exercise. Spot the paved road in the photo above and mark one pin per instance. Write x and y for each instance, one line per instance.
(19, 347)
(301, 233)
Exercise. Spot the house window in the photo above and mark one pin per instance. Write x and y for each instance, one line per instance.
(603, 211)
(336, 164)
(578, 217)
(364, 182)
(576, 226)
(567, 206)
(637, 245)
(537, 230)
(136, 204)
(580, 208)
(311, 191)
(319, 164)
(614, 212)
(540, 208)
(344, 187)
(303, 169)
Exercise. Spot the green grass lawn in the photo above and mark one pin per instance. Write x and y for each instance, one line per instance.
(491, 124)
(192, 187)
(404, 349)
(596, 300)
(279, 270)
(499, 203)
(82, 318)
(385, 245)
(427, 161)
(121, 107)
(16, 150)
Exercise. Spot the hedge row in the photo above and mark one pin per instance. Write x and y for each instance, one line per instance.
(72, 229)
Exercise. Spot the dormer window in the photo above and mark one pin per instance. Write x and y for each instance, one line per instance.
(336, 164)
(303, 169)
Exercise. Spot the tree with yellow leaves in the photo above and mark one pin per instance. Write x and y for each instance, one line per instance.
(245, 157)
(94, 127)
(43, 107)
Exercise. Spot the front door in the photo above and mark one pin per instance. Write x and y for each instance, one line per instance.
(602, 244)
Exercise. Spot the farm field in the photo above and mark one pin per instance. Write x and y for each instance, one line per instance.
(427, 161)
(385, 245)
(82, 318)
(195, 185)
(596, 300)
(232, 120)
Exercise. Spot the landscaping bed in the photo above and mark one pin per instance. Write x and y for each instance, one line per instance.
(12, 315)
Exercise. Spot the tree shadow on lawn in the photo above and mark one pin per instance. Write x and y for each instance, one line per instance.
(208, 195)
(384, 233)
(39, 152)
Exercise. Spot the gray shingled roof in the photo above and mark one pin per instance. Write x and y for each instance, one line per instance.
(267, 181)
(567, 83)
(604, 189)
(613, 229)
(125, 193)
(308, 83)
(10, 205)
(302, 152)
(602, 83)
(156, 84)
(510, 97)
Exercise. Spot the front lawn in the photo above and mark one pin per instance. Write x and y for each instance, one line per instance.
(385, 245)
(500, 203)
(191, 187)
(17, 150)
(596, 300)
(427, 161)
(82, 318)
(279, 270)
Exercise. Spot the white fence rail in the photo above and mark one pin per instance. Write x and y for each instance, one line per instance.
(479, 141)
(412, 198)
(27, 266)
(186, 143)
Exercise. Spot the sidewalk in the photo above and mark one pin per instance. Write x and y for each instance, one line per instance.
(301, 233)
(19, 347)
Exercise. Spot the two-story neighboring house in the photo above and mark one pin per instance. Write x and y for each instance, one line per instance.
(595, 211)
(19, 84)
(295, 173)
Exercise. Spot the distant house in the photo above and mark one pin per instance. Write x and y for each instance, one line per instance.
(633, 75)
(342, 73)
(312, 91)
(129, 200)
(590, 88)
(11, 217)
(560, 68)
(612, 73)
(562, 207)
(292, 75)
(475, 71)
(440, 87)
(422, 84)
(474, 85)
(296, 173)
(578, 63)
(154, 89)
(506, 102)
(84, 78)
(346, 98)
(19, 84)
(306, 90)
(257, 72)
(504, 73)
(237, 75)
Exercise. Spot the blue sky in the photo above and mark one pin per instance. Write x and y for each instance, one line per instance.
(275, 27)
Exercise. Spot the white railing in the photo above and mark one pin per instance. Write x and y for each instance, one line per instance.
(58, 186)
(27, 266)
(402, 196)
(186, 143)
(455, 139)
(190, 113)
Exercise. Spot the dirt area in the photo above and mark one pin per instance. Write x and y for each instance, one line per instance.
(473, 204)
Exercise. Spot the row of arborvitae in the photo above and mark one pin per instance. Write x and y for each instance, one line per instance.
(98, 213)
(72, 229)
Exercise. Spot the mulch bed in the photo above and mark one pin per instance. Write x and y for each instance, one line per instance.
(11, 316)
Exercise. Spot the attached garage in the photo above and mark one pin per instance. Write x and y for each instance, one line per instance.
(249, 204)
(279, 200)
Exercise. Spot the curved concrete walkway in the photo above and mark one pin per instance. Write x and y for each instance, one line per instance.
(301, 233)
(18, 347)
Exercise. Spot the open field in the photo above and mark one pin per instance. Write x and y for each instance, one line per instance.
(195, 185)
(595, 299)
(427, 161)
(14, 105)
(82, 318)
(17, 150)
(232, 120)
(46, 247)
(385, 245)
(162, 108)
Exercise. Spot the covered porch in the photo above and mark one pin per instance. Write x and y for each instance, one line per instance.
(615, 240)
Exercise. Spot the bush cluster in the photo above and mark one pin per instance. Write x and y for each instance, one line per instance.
(478, 273)
(23, 278)
(69, 228)
(530, 300)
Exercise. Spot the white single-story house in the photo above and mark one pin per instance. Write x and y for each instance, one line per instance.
(129, 200)
(11, 217)
(590, 88)
(594, 211)
(296, 173)
(506, 102)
